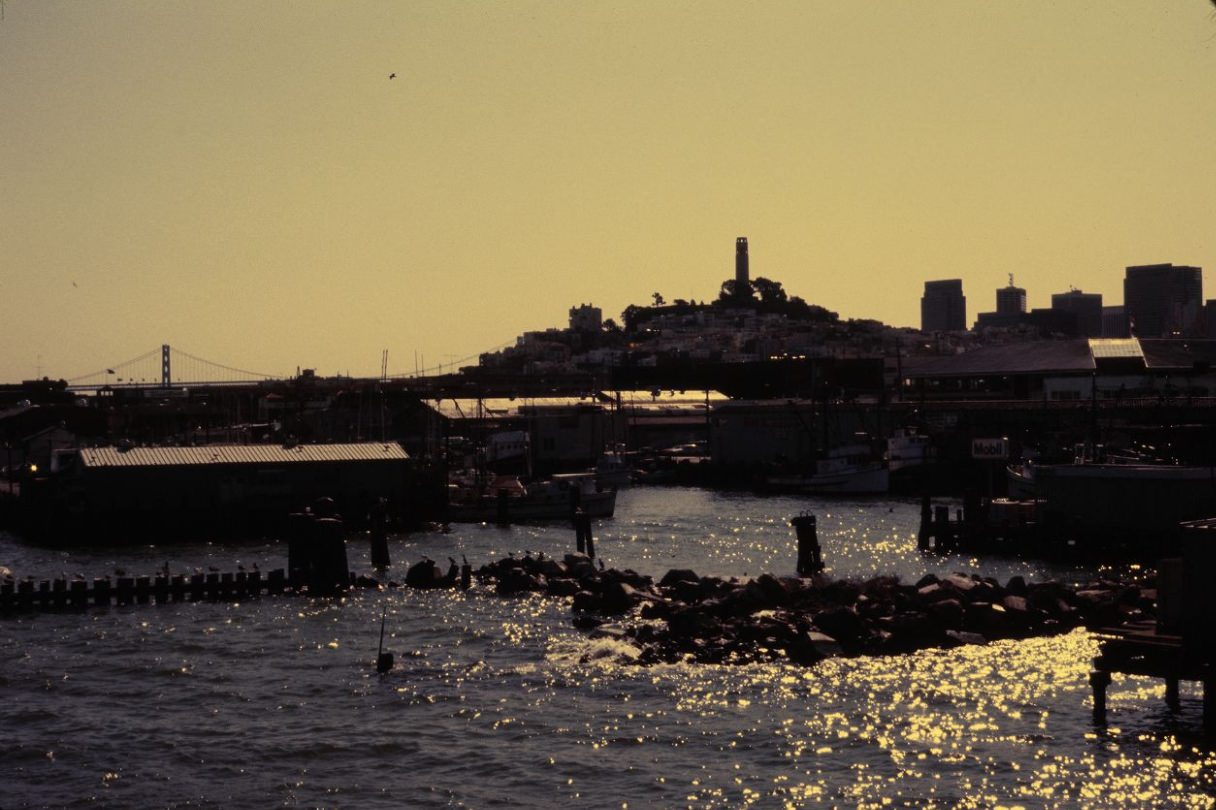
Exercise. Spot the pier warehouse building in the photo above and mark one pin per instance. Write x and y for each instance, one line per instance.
(170, 490)
(1067, 370)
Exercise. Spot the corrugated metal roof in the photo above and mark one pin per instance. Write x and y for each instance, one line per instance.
(1188, 354)
(1107, 348)
(239, 454)
(1036, 357)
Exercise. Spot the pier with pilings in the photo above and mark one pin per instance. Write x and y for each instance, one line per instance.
(26, 595)
(1181, 644)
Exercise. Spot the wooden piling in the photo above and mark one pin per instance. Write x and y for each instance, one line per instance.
(25, 595)
(925, 536)
(124, 590)
(331, 570)
(1099, 679)
(79, 594)
(143, 590)
(1171, 694)
(942, 540)
(1209, 704)
(101, 592)
(810, 559)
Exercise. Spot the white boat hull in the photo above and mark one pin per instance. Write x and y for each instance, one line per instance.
(488, 509)
(863, 481)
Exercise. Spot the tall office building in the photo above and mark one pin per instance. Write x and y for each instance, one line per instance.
(943, 307)
(1163, 300)
(1088, 309)
(1114, 322)
(1010, 300)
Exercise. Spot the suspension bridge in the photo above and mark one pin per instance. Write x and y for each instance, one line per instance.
(167, 367)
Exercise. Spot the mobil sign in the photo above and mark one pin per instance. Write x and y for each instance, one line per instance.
(990, 448)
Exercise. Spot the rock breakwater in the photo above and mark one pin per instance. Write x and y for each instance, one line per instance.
(686, 617)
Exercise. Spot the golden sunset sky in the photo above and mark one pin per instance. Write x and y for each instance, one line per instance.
(242, 180)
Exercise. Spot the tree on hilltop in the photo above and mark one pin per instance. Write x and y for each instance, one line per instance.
(770, 291)
(730, 292)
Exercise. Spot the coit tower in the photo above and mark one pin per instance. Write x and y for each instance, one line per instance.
(742, 282)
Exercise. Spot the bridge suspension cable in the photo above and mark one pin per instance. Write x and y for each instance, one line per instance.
(212, 364)
(150, 368)
(109, 371)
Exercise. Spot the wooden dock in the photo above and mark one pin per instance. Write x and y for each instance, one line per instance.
(1142, 649)
(1181, 644)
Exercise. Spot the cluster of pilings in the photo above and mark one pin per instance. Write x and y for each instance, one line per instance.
(938, 532)
(79, 593)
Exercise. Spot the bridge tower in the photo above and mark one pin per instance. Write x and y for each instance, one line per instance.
(166, 378)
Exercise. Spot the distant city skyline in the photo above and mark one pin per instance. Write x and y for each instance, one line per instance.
(246, 182)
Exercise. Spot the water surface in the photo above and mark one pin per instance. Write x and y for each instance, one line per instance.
(501, 703)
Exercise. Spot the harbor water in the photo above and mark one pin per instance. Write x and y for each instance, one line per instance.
(501, 702)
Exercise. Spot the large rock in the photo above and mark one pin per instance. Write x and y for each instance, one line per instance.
(947, 613)
(693, 623)
(842, 624)
(586, 602)
(960, 582)
(424, 574)
(801, 650)
(776, 591)
(579, 565)
(1098, 607)
(679, 575)
(518, 580)
(935, 592)
(562, 587)
(911, 631)
(963, 637)
(618, 598)
(685, 590)
(824, 643)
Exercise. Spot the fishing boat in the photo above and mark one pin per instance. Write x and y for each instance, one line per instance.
(911, 460)
(506, 499)
(849, 469)
(908, 448)
(612, 470)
